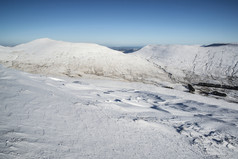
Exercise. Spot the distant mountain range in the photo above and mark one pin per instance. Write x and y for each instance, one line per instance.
(126, 49)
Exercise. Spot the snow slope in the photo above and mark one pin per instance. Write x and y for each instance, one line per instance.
(218, 64)
(50, 57)
(48, 117)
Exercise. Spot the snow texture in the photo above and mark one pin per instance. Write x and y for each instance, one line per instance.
(48, 117)
(50, 57)
(66, 114)
(194, 64)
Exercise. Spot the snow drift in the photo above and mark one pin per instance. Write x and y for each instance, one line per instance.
(50, 57)
(45, 117)
(211, 64)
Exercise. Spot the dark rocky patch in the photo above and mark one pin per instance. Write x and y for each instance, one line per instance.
(209, 134)
(217, 86)
(201, 115)
(117, 100)
(216, 93)
(190, 88)
(168, 87)
(217, 141)
(179, 129)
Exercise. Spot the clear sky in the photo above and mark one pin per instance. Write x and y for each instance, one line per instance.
(119, 22)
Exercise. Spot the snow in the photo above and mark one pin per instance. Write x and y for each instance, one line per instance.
(49, 117)
(193, 63)
(50, 57)
(81, 100)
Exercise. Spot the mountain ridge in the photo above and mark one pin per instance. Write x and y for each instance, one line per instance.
(46, 56)
(194, 63)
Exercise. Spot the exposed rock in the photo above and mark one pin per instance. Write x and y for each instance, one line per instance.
(218, 86)
(216, 93)
(190, 88)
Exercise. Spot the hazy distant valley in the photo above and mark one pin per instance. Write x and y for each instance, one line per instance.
(126, 49)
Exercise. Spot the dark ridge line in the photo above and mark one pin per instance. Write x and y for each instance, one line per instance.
(217, 86)
(216, 45)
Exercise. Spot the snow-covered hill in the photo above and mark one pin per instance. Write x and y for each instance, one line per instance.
(62, 117)
(50, 57)
(195, 64)
(69, 118)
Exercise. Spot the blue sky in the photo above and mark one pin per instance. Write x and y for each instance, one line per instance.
(120, 22)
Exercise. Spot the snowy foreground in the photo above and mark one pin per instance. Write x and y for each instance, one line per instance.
(46, 117)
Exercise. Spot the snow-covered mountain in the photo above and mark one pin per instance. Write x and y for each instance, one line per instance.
(195, 64)
(62, 117)
(214, 66)
(50, 57)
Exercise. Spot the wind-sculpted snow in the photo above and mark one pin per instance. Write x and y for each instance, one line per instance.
(213, 64)
(46, 56)
(48, 117)
(62, 117)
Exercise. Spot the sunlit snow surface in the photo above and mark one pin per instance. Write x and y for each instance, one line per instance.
(51, 57)
(194, 64)
(48, 117)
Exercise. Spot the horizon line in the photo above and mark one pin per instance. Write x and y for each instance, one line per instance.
(116, 45)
